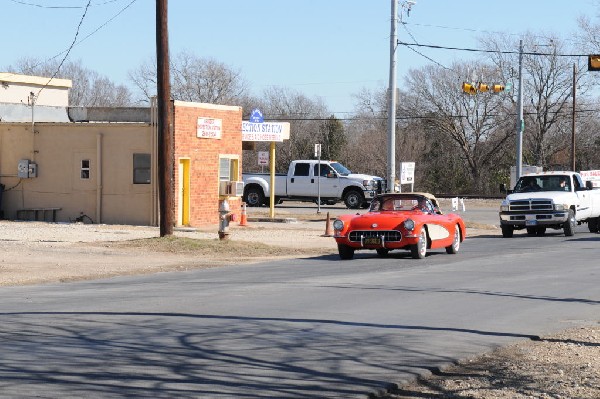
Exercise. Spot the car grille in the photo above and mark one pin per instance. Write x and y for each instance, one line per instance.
(531, 205)
(388, 235)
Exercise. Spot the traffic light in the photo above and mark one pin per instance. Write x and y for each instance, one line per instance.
(594, 62)
(483, 88)
(469, 88)
(497, 88)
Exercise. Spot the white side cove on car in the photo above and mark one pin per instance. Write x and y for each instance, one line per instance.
(309, 180)
(557, 200)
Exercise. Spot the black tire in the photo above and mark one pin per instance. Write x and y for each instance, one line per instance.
(531, 231)
(570, 224)
(540, 231)
(507, 231)
(346, 252)
(383, 252)
(454, 247)
(254, 196)
(593, 225)
(353, 199)
(419, 250)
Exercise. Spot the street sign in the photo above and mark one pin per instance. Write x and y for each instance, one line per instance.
(318, 150)
(407, 173)
(263, 158)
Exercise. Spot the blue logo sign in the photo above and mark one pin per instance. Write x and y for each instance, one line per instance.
(256, 116)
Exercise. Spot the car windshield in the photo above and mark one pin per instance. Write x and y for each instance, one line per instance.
(402, 203)
(341, 169)
(528, 184)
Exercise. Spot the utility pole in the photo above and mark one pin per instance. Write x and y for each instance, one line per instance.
(392, 101)
(165, 131)
(573, 119)
(520, 121)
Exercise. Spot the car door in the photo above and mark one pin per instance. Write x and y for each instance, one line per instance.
(328, 182)
(301, 183)
(584, 208)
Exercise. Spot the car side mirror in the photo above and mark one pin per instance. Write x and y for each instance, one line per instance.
(589, 185)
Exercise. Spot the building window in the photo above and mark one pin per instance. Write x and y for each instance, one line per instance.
(141, 168)
(85, 169)
(228, 169)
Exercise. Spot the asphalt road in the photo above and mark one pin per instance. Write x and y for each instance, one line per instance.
(312, 328)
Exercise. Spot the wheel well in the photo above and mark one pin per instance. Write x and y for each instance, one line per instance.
(352, 188)
(252, 185)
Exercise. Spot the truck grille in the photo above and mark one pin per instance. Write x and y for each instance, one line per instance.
(388, 235)
(380, 186)
(531, 205)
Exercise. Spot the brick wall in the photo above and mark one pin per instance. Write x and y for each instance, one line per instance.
(204, 157)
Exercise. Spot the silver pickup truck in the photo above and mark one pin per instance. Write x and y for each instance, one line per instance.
(308, 180)
(557, 200)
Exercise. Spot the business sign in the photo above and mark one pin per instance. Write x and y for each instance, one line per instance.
(209, 128)
(266, 131)
(256, 116)
(407, 173)
(263, 158)
(591, 175)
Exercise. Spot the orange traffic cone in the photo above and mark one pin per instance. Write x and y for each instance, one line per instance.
(244, 217)
(328, 232)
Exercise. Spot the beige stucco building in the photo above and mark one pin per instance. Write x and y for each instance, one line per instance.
(59, 163)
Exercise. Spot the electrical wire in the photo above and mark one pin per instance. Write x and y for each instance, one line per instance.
(490, 51)
(60, 7)
(68, 50)
(421, 54)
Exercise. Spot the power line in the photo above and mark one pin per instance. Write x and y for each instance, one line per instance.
(68, 50)
(60, 7)
(489, 51)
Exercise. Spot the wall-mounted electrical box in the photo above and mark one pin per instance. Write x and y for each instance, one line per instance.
(26, 169)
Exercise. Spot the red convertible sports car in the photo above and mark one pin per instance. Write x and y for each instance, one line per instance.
(409, 221)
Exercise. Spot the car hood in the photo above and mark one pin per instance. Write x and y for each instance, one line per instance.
(556, 196)
(360, 176)
(382, 220)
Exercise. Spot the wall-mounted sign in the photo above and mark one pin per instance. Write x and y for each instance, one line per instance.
(256, 116)
(209, 128)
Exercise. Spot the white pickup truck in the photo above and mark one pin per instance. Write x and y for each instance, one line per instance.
(303, 182)
(557, 200)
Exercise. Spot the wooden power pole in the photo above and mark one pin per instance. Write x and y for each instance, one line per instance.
(165, 128)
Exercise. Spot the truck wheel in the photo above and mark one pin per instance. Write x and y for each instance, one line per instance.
(353, 199)
(531, 231)
(507, 231)
(569, 226)
(254, 196)
(540, 230)
(593, 225)
(346, 252)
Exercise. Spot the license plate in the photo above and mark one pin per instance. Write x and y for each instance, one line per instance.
(530, 222)
(373, 241)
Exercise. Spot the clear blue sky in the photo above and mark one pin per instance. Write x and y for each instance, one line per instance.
(326, 48)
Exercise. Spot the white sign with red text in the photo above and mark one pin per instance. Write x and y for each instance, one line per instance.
(209, 128)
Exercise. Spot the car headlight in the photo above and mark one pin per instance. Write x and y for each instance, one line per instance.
(409, 224)
(338, 224)
(560, 207)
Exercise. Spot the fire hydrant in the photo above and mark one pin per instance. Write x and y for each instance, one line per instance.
(224, 218)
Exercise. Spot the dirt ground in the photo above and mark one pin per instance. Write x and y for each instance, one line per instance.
(565, 365)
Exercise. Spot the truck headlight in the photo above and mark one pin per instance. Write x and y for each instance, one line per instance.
(338, 224)
(504, 207)
(369, 184)
(409, 224)
(560, 207)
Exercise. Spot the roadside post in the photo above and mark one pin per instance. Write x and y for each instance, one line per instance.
(318, 155)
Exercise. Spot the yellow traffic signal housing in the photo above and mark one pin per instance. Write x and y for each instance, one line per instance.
(594, 63)
(497, 88)
(482, 87)
(468, 88)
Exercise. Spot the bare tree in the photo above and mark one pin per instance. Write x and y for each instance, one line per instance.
(547, 91)
(90, 89)
(476, 124)
(194, 79)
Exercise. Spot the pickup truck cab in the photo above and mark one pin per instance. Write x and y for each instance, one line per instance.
(557, 200)
(306, 179)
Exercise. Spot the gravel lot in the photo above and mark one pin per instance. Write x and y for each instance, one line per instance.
(566, 365)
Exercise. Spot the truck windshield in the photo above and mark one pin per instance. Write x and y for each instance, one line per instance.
(543, 183)
(341, 169)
